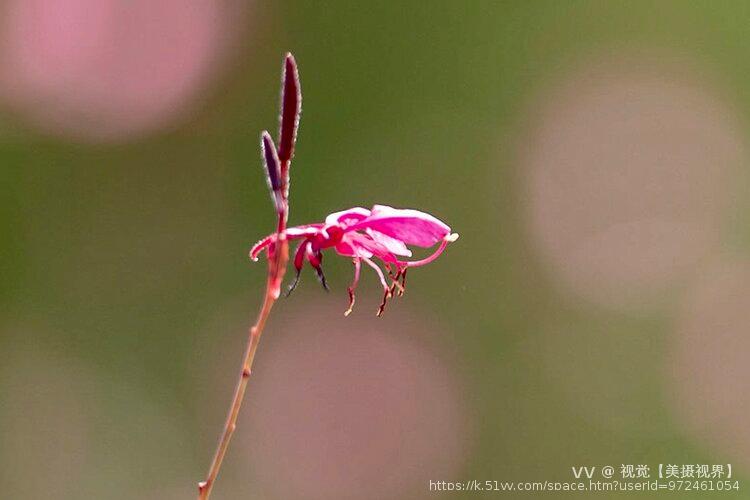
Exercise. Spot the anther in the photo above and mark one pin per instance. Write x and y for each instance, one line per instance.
(386, 296)
(294, 283)
(352, 299)
(403, 282)
(322, 278)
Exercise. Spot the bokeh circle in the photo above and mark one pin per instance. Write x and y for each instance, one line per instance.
(628, 167)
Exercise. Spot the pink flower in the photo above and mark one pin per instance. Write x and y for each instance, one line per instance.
(362, 234)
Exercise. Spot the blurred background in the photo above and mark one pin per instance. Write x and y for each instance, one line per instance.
(594, 312)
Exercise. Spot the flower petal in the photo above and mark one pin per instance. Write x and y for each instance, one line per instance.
(305, 230)
(292, 233)
(258, 247)
(350, 247)
(393, 245)
(362, 245)
(346, 218)
(409, 226)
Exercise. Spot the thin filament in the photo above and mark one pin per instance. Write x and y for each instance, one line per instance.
(353, 287)
(377, 270)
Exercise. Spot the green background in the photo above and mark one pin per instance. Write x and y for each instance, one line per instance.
(116, 256)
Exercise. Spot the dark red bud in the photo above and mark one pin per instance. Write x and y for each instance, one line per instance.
(291, 106)
(273, 169)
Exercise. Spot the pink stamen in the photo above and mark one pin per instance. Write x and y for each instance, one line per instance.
(353, 287)
(395, 279)
(377, 270)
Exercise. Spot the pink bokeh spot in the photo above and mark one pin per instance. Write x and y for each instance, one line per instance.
(628, 166)
(107, 69)
(707, 371)
(351, 409)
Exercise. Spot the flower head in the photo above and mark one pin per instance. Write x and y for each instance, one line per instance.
(361, 234)
(358, 233)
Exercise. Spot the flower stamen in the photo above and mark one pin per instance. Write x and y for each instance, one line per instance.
(378, 271)
(353, 287)
(315, 258)
(386, 289)
(299, 259)
(386, 296)
(394, 280)
(403, 281)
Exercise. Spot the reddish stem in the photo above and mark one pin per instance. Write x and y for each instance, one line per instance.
(277, 261)
(277, 170)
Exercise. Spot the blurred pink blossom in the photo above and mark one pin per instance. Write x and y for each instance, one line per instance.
(351, 402)
(107, 69)
(629, 162)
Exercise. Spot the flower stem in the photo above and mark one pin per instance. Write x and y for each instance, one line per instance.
(276, 267)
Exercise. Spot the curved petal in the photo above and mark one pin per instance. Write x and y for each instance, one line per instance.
(258, 247)
(292, 233)
(304, 230)
(394, 246)
(409, 226)
(346, 218)
(362, 245)
(348, 247)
